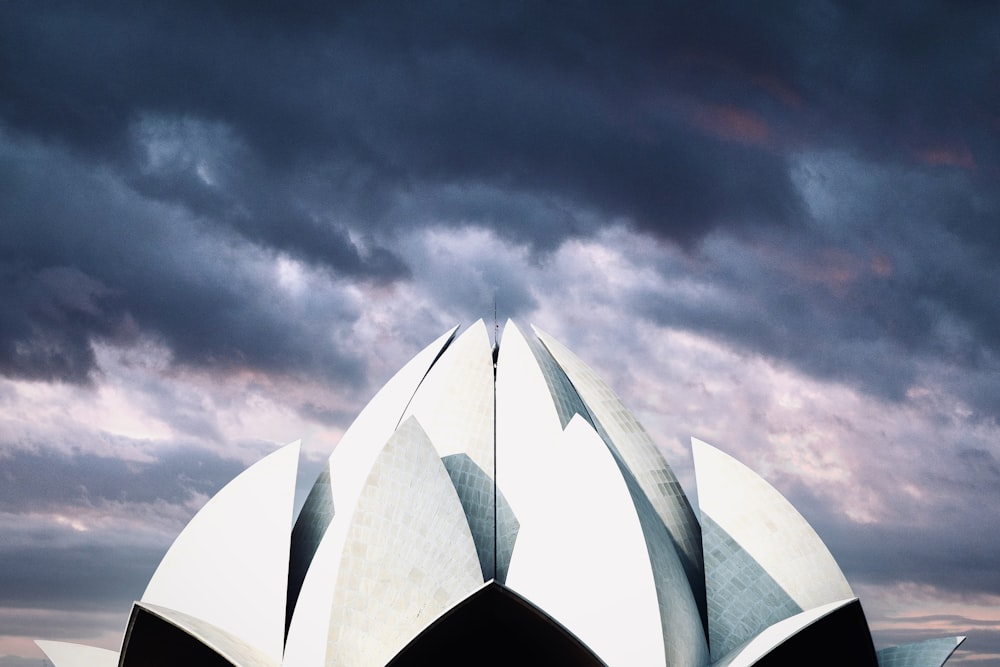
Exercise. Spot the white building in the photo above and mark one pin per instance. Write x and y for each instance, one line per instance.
(498, 505)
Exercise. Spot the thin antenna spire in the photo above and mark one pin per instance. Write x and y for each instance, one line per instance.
(496, 491)
(496, 335)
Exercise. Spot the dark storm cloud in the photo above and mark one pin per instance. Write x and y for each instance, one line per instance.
(83, 257)
(205, 168)
(325, 133)
(885, 287)
(50, 315)
(404, 96)
(902, 77)
(590, 100)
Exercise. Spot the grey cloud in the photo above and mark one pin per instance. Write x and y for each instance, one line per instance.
(885, 288)
(325, 138)
(113, 521)
(570, 98)
(15, 661)
(207, 169)
(83, 258)
(91, 576)
(466, 273)
(948, 559)
(905, 78)
(50, 315)
(62, 625)
(36, 480)
(935, 542)
(117, 519)
(411, 107)
(958, 621)
(978, 642)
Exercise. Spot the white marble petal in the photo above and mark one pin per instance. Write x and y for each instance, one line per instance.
(409, 555)
(229, 566)
(639, 453)
(65, 654)
(350, 464)
(454, 403)
(768, 528)
(581, 554)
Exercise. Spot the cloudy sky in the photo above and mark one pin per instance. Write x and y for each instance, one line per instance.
(222, 228)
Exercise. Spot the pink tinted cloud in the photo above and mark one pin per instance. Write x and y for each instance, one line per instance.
(732, 123)
(955, 155)
(835, 269)
(778, 90)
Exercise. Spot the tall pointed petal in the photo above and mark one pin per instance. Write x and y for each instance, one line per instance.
(353, 457)
(526, 422)
(408, 557)
(229, 567)
(638, 452)
(757, 548)
(332, 499)
(679, 587)
(581, 555)
(454, 405)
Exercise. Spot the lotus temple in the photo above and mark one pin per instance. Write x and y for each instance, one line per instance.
(497, 504)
